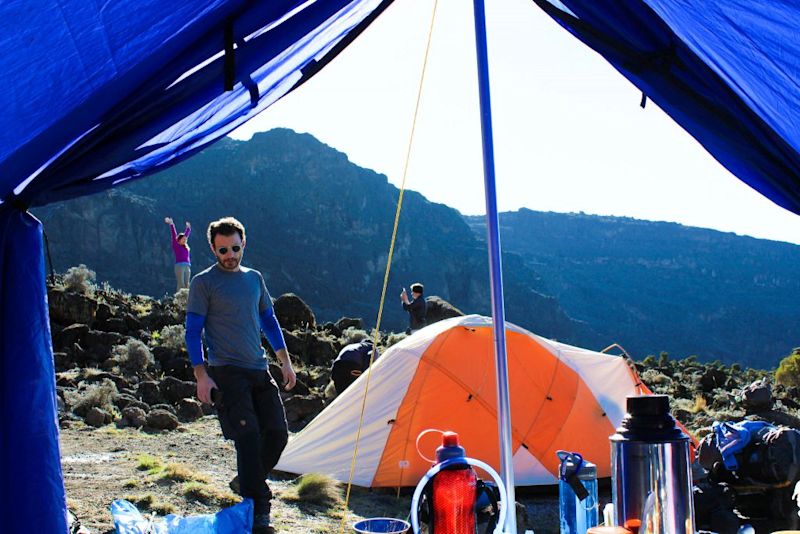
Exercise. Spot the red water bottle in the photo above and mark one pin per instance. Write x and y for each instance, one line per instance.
(454, 491)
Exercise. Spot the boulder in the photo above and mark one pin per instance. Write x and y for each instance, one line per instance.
(150, 392)
(132, 322)
(134, 416)
(97, 417)
(113, 324)
(63, 361)
(163, 354)
(439, 309)
(293, 313)
(162, 420)
(310, 347)
(68, 336)
(99, 344)
(126, 400)
(179, 367)
(166, 407)
(349, 322)
(68, 307)
(104, 312)
(190, 409)
(332, 330)
(174, 390)
(119, 381)
(299, 407)
(712, 379)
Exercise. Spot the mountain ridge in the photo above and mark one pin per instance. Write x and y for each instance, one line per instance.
(320, 226)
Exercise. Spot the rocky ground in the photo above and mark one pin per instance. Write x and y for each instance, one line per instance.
(132, 428)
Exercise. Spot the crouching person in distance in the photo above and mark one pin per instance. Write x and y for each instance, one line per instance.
(231, 304)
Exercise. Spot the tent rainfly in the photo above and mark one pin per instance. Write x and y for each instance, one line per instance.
(442, 377)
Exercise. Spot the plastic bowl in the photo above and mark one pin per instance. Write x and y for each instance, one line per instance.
(381, 525)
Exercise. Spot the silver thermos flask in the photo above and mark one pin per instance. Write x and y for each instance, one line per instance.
(651, 475)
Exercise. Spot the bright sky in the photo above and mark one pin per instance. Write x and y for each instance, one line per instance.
(569, 133)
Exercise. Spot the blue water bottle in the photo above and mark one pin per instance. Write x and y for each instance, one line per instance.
(577, 492)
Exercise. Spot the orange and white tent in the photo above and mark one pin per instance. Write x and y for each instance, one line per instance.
(443, 377)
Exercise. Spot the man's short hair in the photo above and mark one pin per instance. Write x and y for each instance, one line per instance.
(417, 288)
(224, 226)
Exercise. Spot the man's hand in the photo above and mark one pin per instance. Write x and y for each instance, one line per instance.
(188, 224)
(289, 377)
(404, 297)
(204, 384)
(168, 220)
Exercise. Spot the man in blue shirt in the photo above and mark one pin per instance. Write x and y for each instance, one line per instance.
(231, 305)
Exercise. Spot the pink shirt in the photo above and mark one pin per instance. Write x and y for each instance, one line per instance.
(181, 252)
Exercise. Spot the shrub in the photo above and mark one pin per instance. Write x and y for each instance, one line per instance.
(788, 373)
(172, 336)
(651, 377)
(649, 360)
(353, 335)
(691, 358)
(181, 298)
(133, 356)
(393, 339)
(663, 359)
(80, 279)
(94, 396)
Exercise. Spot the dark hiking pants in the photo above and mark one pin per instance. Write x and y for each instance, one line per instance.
(251, 414)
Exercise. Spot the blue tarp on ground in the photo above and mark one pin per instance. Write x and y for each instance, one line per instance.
(95, 94)
(235, 519)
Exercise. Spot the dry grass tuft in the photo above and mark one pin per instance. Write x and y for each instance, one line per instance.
(315, 489)
(207, 494)
(147, 462)
(183, 473)
(141, 500)
(700, 404)
(94, 396)
(163, 508)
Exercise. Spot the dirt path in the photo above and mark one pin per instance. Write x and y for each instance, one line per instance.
(101, 465)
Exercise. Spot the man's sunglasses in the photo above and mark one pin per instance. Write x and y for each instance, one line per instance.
(224, 250)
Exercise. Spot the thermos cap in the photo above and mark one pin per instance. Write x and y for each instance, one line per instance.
(648, 419)
(653, 405)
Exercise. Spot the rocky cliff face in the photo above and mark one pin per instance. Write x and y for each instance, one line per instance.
(663, 286)
(317, 225)
(320, 226)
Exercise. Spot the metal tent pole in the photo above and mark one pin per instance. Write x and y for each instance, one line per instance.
(495, 269)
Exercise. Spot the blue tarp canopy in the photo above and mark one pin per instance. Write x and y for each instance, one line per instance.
(95, 94)
(727, 71)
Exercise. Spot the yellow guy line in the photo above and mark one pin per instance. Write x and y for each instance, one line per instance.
(388, 269)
